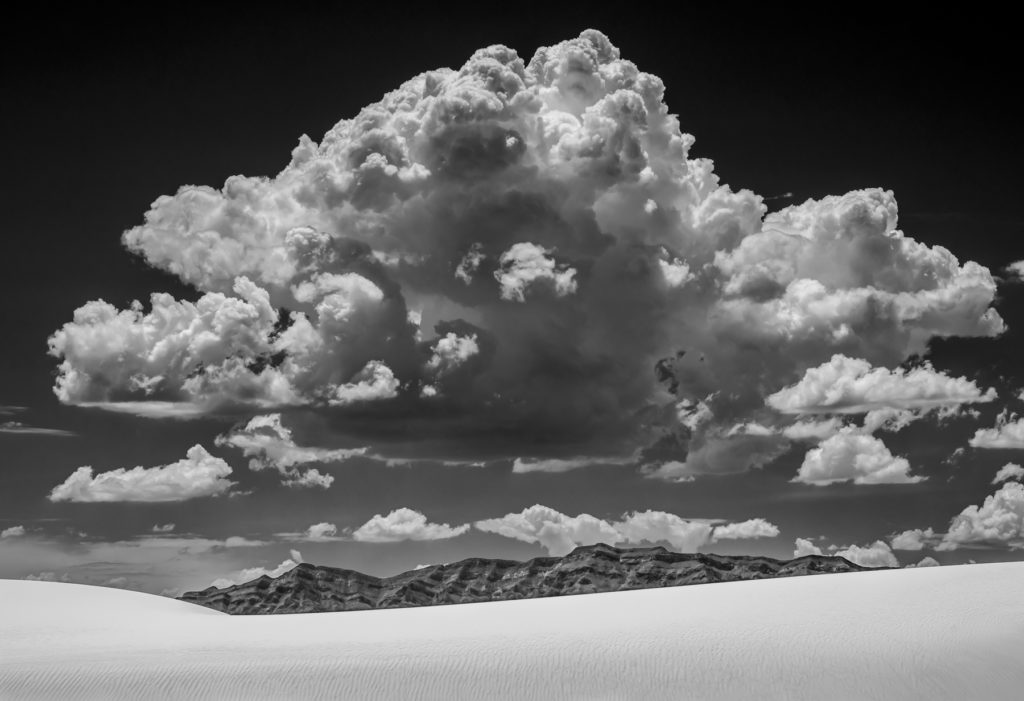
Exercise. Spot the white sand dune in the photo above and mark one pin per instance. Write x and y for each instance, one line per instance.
(931, 633)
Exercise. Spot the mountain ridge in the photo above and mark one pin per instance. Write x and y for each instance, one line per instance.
(309, 588)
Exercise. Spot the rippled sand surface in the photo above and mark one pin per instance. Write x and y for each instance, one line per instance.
(930, 633)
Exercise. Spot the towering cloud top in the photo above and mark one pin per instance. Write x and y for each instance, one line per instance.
(527, 245)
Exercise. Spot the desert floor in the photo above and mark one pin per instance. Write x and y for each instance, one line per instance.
(930, 633)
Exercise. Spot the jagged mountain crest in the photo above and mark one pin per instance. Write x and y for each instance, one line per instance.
(590, 569)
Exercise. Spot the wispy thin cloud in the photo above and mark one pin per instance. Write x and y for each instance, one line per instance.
(17, 427)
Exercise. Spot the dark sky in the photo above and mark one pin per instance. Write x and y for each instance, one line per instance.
(104, 112)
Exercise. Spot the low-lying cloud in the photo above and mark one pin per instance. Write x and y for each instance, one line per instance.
(876, 554)
(250, 573)
(559, 533)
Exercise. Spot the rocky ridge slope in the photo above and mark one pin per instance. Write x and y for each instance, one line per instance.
(597, 568)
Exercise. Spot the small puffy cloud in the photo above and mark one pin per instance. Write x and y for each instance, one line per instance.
(251, 573)
(321, 531)
(1007, 434)
(658, 526)
(469, 264)
(19, 428)
(676, 272)
(12, 532)
(804, 547)
(891, 420)
(199, 474)
(309, 478)
(1009, 471)
(850, 385)
(451, 351)
(165, 528)
(555, 531)
(925, 562)
(999, 520)
(559, 533)
(849, 456)
(268, 444)
(914, 539)
(237, 541)
(671, 471)
(693, 415)
(405, 524)
(752, 528)
(878, 554)
(374, 382)
(1015, 271)
(526, 266)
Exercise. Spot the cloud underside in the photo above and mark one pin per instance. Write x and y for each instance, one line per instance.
(513, 245)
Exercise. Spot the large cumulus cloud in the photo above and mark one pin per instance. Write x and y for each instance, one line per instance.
(530, 246)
